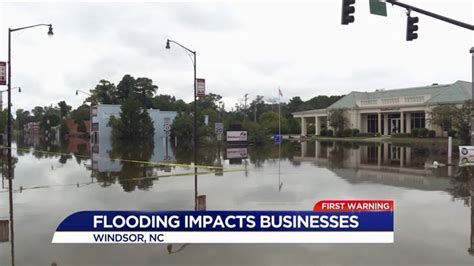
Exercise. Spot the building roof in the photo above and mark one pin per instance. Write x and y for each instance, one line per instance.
(456, 92)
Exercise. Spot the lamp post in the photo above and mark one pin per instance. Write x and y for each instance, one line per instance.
(195, 139)
(86, 93)
(9, 132)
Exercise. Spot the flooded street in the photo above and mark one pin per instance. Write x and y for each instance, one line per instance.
(434, 219)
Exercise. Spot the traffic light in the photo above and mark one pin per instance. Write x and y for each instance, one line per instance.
(347, 11)
(412, 28)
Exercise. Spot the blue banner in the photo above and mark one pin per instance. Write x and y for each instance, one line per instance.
(168, 221)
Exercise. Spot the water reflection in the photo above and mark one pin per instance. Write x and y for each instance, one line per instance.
(365, 168)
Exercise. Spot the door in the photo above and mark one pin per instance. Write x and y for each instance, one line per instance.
(395, 125)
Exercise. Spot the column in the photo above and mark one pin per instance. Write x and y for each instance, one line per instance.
(304, 149)
(402, 123)
(379, 123)
(303, 126)
(317, 125)
(379, 155)
(385, 125)
(408, 122)
(427, 119)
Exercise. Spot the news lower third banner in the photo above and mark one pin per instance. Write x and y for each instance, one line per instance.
(330, 221)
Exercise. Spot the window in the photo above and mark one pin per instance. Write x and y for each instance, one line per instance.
(418, 120)
(372, 125)
(95, 126)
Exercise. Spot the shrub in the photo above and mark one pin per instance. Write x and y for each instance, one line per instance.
(330, 133)
(323, 132)
(365, 134)
(347, 132)
(401, 135)
(355, 131)
(423, 132)
(414, 132)
(339, 133)
(431, 133)
(452, 133)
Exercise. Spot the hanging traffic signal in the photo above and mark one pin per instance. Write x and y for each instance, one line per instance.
(347, 11)
(412, 28)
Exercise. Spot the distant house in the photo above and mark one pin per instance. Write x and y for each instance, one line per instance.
(74, 128)
(32, 128)
(390, 111)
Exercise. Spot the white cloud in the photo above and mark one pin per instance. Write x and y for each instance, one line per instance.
(241, 48)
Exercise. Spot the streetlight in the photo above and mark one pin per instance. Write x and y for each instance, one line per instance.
(194, 111)
(9, 132)
(86, 93)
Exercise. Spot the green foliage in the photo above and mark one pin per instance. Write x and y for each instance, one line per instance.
(3, 120)
(145, 89)
(182, 127)
(269, 123)
(452, 133)
(415, 132)
(323, 132)
(330, 133)
(64, 129)
(81, 113)
(347, 132)
(339, 133)
(256, 133)
(22, 117)
(422, 132)
(81, 126)
(365, 134)
(401, 135)
(125, 86)
(431, 134)
(105, 92)
(355, 131)
(134, 122)
(64, 109)
(457, 117)
(337, 119)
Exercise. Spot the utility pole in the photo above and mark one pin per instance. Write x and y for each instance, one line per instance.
(472, 91)
(246, 97)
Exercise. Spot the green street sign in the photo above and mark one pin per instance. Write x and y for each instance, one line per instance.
(378, 8)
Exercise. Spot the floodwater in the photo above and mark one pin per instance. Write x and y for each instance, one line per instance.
(434, 218)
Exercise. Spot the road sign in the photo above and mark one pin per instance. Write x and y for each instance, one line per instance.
(378, 8)
(3, 73)
(200, 87)
(466, 155)
(219, 127)
(167, 124)
(277, 139)
(167, 127)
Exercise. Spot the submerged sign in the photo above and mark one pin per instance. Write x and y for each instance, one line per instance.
(339, 221)
(466, 154)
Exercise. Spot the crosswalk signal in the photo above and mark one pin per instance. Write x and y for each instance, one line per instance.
(347, 11)
(412, 28)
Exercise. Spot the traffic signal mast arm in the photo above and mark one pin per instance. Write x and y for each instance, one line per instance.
(431, 14)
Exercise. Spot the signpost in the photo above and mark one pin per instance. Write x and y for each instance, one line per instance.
(378, 8)
(219, 128)
(201, 203)
(277, 138)
(200, 87)
(235, 136)
(3, 73)
(466, 155)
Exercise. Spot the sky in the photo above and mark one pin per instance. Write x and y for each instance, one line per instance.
(252, 48)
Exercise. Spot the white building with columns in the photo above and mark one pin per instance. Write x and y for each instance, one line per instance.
(390, 111)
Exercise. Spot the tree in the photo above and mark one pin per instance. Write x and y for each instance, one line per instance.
(22, 117)
(442, 115)
(104, 92)
(38, 112)
(145, 90)
(134, 122)
(337, 119)
(64, 108)
(81, 114)
(125, 86)
(269, 123)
